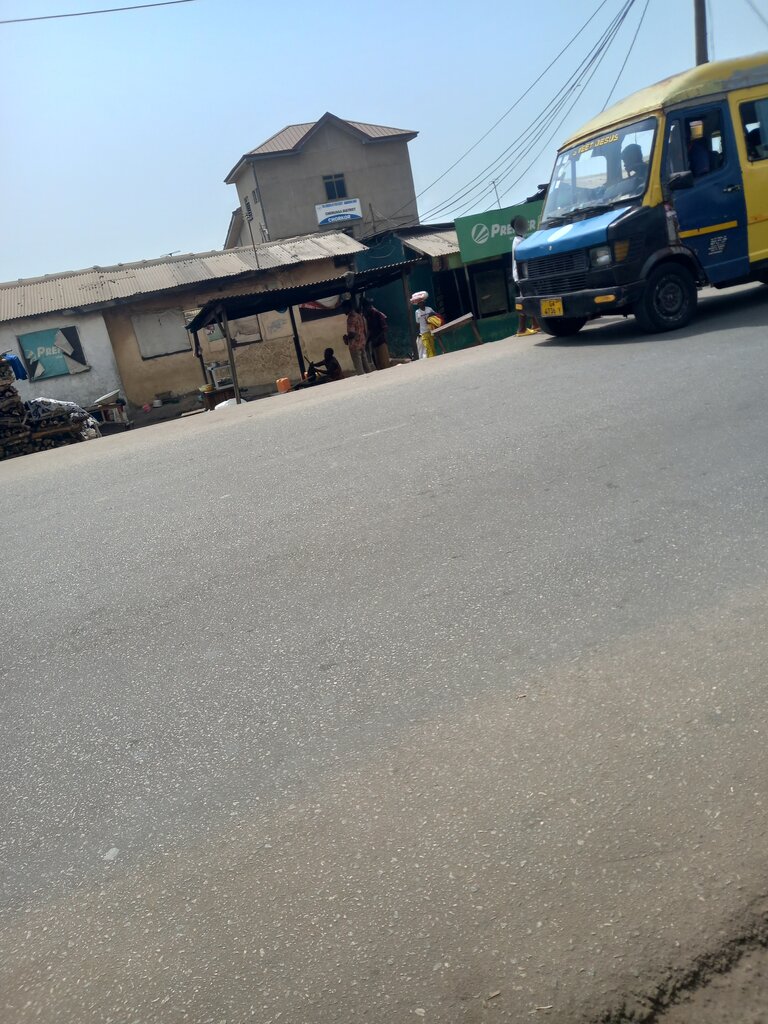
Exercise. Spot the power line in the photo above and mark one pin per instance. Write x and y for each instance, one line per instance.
(629, 53)
(758, 12)
(565, 116)
(561, 96)
(509, 109)
(506, 169)
(83, 14)
(560, 123)
(476, 188)
(598, 58)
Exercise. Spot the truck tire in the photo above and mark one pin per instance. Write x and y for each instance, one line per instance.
(562, 326)
(669, 299)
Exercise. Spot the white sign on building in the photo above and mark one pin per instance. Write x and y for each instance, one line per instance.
(337, 211)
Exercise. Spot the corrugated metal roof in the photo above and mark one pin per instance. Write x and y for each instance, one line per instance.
(80, 289)
(433, 244)
(287, 138)
(294, 134)
(379, 131)
(249, 302)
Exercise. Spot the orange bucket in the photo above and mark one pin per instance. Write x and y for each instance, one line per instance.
(283, 385)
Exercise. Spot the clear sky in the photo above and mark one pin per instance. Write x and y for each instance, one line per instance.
(118, 129)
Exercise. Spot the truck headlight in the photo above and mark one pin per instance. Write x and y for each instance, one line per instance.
(601, 256)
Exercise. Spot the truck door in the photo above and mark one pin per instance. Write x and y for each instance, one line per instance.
(712, 214)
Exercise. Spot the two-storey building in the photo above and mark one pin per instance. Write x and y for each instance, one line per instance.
(329, 174)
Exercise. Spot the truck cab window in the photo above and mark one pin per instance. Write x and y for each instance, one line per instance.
(754, 122)
(704, 142)
(608, 169)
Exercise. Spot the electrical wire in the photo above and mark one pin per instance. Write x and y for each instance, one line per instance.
(477, 183)
(477, 188)
(533, 131)
(557, 127)
(509, 109)
(83, 14)
(629, 53)
(758, 12)
(547, 141)
(552, 109)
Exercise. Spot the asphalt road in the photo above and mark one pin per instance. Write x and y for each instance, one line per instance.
(438, 694)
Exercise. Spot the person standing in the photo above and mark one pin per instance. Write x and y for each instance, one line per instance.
(425, 343)
(376, 324)
(356, 338)
(520, 226)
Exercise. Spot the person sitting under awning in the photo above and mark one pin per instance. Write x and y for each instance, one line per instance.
(329, 368)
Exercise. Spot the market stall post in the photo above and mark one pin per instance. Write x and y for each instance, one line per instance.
(223, 321)
(407, 294)
(251, 304)
(297, 343)
(199, 354)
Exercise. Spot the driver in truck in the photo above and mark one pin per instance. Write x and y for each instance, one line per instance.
(634, 165)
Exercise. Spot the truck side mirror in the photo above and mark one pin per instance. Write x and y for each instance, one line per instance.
(680, 180)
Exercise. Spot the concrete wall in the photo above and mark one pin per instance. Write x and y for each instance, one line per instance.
(376, 173)
(259, 364)
(247, 184)
(83, 388)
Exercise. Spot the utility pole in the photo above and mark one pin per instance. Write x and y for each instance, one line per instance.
(700, 17)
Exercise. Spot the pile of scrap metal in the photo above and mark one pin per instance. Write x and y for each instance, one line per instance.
(40, 423)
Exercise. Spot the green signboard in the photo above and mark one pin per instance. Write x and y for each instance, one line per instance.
(485, 235)
(53, 352)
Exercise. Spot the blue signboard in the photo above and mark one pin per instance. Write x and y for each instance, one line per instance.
(337, 211)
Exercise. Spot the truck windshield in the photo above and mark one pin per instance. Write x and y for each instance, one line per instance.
(600, 173)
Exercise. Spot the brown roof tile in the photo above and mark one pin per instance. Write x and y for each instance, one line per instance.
(292, 138)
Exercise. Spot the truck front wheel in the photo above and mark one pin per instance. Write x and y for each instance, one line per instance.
(668, 301)
(563, 326)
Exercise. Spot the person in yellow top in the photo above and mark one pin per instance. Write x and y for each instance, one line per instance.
(425, 343)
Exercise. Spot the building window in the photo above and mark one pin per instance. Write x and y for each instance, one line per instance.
(248, 210)
(163, 333)
(334, 187)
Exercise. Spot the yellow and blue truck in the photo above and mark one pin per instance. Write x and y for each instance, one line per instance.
(661, 194)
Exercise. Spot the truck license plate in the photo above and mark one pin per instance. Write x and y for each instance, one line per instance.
(551, 307)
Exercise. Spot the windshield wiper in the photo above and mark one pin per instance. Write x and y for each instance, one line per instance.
(595, 207)
(552, 222)
(563, 218)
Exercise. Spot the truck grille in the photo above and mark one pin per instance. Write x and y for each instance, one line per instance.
(562, 272)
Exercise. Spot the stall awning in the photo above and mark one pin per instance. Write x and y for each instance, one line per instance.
(434, 244)
(249, 304)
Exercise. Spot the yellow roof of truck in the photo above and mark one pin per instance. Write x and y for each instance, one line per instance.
(705, 80)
